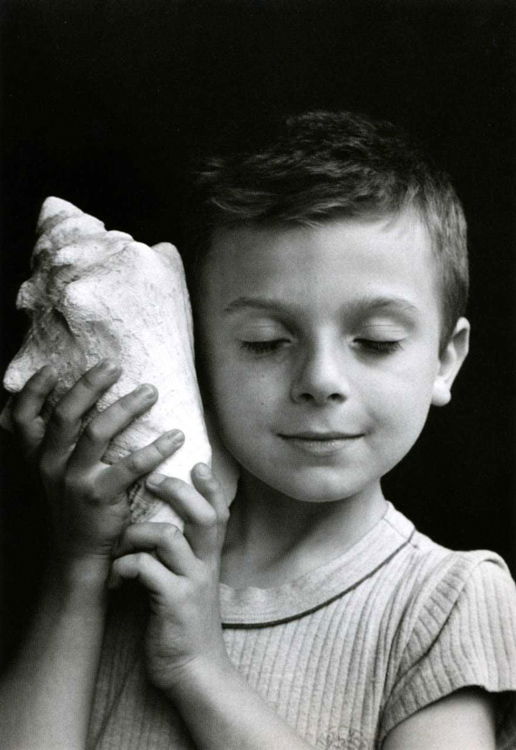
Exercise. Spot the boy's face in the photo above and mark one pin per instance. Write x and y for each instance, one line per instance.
(321, 350)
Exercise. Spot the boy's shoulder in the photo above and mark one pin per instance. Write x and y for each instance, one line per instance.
(455, 626)
(429, 558)
(437, 566)
(432, 578)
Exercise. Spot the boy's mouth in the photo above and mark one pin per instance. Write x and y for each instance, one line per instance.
(320, 443)
(313, 435)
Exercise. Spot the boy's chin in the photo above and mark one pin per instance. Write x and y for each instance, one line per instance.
(324, 489)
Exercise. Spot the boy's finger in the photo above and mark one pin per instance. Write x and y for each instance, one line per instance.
(202, 524)
(97, 435)
(65, 421)
(145, 568)
(164, 539)
(209, 486)
(118, 477)
(27, 406)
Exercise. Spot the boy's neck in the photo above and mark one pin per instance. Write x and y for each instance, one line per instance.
(273, 539)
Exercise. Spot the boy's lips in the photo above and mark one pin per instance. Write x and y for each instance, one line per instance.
(315, 435)
(320, 443)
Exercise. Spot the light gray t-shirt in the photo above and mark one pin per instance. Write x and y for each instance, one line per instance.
(343, 653)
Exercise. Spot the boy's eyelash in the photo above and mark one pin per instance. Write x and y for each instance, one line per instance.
(380, 347)
(371, 345)
(262, 347)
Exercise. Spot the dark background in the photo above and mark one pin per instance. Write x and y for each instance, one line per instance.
(105, 101)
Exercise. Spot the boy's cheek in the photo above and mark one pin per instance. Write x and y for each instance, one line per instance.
(236, 383)
(239, 410)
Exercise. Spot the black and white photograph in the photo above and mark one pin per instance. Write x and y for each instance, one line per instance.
(258, 359)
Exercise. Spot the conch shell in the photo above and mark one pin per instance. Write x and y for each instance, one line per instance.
(96, 294)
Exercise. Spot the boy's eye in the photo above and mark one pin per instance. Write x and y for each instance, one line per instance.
(263, 347)
(379, 347)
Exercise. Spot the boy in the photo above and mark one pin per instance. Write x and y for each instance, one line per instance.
(329, 281)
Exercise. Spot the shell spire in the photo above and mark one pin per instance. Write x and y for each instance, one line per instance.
(53, 207)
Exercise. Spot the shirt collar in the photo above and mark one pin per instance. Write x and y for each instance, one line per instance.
(255, 607)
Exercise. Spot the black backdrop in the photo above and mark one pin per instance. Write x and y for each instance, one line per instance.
(104, 101)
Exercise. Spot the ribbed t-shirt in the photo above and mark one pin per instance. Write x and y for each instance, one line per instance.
(345, 652)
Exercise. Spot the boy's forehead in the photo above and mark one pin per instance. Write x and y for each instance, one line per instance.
(256, 245)
(406, 224)
(374, 256)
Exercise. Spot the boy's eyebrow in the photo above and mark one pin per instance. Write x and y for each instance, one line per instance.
(364, 304)
(261, 303)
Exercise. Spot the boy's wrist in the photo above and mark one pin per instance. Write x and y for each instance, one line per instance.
(79, 577)
(200, 680)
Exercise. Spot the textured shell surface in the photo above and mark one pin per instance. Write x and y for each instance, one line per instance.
(94, 294)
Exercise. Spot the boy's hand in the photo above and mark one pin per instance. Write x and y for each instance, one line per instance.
(87, 501)
(181, 572)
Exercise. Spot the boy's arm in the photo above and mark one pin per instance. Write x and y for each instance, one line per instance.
(46, 693)
(464, 719)
(186, 656)
(223, 713)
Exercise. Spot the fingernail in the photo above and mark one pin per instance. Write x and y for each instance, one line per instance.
(203, 470)
(147, 391)
(47, 372)
(155, 479)
(174, 437)
(108, 366)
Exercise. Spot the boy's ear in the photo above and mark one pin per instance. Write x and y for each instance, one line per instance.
(451, 360)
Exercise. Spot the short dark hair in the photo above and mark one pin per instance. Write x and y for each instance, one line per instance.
(319, 166)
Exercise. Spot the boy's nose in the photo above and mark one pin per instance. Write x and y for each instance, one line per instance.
(322, 377)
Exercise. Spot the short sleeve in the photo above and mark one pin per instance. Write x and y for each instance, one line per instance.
(462, 634)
